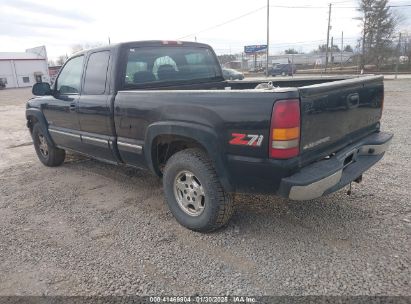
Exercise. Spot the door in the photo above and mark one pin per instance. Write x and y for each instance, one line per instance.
(94, 110)
(61, 108)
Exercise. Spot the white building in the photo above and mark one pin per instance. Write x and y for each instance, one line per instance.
(313, 58)
(23, 69)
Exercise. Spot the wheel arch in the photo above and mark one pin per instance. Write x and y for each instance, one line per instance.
(34, 116)
(185, 135)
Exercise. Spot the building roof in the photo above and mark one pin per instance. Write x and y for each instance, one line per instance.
(19, 56)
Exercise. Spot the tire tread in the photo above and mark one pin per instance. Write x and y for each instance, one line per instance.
(225, 202)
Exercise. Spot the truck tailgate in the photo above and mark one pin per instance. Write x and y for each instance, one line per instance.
(335, 114)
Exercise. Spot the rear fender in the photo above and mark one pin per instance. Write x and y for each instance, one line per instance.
(204, 135)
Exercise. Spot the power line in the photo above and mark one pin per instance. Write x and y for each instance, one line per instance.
(289, 6)
(310, 7)
(224, 23)
(281, 6)
(324, 7)
(257, 10)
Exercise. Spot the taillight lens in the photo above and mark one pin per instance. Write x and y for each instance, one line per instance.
(285, 129)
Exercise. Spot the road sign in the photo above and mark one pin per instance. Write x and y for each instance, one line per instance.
(250, 49)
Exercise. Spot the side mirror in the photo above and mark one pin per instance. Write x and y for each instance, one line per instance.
(41, 89)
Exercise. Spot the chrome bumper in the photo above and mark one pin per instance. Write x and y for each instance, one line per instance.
(327, 176)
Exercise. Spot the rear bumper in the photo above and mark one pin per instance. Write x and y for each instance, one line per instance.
(329, 175)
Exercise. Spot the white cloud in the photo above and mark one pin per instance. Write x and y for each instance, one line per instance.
(61, 24)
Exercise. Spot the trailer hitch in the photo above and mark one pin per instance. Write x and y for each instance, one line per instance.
(357, 180)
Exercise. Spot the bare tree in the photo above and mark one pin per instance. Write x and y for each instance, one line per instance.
(406, 48)
(84, 46)
(348, 48)
(291, 51)
(378, 28)
(225, 58)
(61, 59)
(76, 48)
(323, 47)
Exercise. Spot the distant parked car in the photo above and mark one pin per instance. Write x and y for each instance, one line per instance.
(257, 70)
(2, 84)
(231, 74)
(283, 69)
(403, 59)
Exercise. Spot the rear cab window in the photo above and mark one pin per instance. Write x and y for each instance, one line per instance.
(164, 65)
(96, 73)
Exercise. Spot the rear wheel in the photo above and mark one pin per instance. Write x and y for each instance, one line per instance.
(194, 193)
(47, 153)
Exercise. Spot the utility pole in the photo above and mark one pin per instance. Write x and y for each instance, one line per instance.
(342, 46)
(109, 42)
(363, 41)
(242, 61)
(328, 36)
(268, 37)
(331, 51)
(398, 56)
(358, 58)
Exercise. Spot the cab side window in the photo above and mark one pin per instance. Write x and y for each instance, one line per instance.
(96, 73)
(69, 80)
(134, 67)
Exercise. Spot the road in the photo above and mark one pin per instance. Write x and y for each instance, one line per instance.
(88, 228)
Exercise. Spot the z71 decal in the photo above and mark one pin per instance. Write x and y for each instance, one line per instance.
(240, 139)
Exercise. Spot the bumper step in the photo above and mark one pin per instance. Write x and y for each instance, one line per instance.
(329, 175)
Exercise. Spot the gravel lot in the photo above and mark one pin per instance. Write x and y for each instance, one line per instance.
(87, 228)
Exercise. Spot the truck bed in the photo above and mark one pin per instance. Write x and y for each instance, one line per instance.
(334, 114)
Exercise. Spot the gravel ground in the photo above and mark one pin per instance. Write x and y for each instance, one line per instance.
(88, 228)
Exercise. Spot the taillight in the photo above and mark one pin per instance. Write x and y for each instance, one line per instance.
(285, 129)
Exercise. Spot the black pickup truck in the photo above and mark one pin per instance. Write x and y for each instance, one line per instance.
(165, 106)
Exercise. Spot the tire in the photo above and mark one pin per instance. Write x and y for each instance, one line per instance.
(213, 207)
(47, 153)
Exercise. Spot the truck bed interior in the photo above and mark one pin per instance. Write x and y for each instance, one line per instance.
(251, 84)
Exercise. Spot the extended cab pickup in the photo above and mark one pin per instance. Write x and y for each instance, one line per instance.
(165, 106)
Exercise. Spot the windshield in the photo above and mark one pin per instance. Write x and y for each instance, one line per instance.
(158, 65)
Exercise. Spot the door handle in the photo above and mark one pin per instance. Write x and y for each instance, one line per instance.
(353, 100)
(73, 107)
